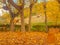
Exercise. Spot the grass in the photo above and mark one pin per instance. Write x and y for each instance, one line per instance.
(34, 27)
(41, 26)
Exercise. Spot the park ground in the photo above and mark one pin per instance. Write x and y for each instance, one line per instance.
(52, 37)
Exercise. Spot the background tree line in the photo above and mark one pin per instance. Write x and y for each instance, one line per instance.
(10, 4)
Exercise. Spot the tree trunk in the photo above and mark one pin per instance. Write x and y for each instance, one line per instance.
(29, 29)
(12, 24)
(56, 20)
(22, 21)
(46, 26)
(21, 9)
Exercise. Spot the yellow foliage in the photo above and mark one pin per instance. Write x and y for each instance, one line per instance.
(6, 15)
(26, 12)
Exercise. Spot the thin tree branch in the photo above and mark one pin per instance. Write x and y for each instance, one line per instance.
(15, 5)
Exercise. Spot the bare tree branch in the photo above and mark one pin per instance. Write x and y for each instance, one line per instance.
(15, 5)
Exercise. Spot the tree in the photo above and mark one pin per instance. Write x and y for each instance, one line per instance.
(59, 9)
(32, 2)
(44, 4)
(12, 15)
(59, 3)
(20, 8)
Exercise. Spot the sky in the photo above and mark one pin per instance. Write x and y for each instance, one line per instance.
(0, 12)
(26, 4)
(38, 0)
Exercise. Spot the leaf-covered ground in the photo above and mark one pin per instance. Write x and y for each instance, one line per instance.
(30, 38)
